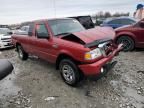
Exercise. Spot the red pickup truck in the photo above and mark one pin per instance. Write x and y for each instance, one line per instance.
(65, 42)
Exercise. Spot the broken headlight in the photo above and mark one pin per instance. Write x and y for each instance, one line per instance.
(93, 54)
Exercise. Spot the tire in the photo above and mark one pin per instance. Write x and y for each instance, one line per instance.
(5, 68)
(128, 43)
(69, 72)
(21, 53)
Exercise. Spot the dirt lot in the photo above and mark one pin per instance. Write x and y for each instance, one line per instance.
(36, 84)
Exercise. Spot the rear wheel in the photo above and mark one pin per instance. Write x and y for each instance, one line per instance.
(69, 72)
(128, 43)
(21, 53)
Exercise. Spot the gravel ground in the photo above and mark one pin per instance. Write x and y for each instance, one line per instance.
(36, 84)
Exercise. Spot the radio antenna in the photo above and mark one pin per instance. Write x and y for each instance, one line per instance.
(55, 12)
(54, 6)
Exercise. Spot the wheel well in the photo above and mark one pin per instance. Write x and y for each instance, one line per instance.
(125, 35)
(17, 44)
(64, 56)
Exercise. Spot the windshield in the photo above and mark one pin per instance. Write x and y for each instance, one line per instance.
(5, 31)
(63, 26)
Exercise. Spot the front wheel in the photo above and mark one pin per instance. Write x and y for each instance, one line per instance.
(128, 43)
(21, 53)
(69, 72)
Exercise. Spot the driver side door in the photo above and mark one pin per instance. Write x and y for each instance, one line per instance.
(43, 42)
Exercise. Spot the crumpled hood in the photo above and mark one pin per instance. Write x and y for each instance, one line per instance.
(97, 33)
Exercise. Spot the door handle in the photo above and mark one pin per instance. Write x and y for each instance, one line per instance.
(55, 45)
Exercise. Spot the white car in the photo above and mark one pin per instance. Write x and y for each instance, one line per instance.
(22, 31)
(5, 38)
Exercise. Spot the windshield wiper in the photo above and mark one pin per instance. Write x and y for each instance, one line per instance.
(64, 34)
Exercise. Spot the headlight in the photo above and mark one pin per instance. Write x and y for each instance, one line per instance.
(93, 54)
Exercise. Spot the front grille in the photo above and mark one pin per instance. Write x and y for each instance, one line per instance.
(5, 38)
(6, 41)
(9, 44)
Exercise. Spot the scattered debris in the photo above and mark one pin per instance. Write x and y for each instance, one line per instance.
(20, 100)
(123, 88)
(139, 92)
(121, 105)
(50, 98)
(140, 72)
(88, 94)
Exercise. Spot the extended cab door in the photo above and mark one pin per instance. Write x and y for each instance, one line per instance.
(43, 42)
(30, 38)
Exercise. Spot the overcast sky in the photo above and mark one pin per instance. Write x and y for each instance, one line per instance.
(16, 11)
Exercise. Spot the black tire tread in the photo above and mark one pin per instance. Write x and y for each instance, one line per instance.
(129, 38)
(78, 76)
(25, 55)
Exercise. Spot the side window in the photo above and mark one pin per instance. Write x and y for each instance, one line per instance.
(116, 21)
(127, 21)
(41, 31)
(30, 31)
(22, 31)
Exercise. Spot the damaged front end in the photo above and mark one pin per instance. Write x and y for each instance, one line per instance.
(98, 60)
(72, 38)
(100, 67)
(107, 46)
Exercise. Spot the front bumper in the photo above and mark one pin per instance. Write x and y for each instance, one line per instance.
(95, 68)
(5, 44)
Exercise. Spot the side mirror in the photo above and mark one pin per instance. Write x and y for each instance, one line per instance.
(10, 33)
(5, 68)
(141, 23)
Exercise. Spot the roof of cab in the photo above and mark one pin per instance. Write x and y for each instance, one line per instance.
(52, 19)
